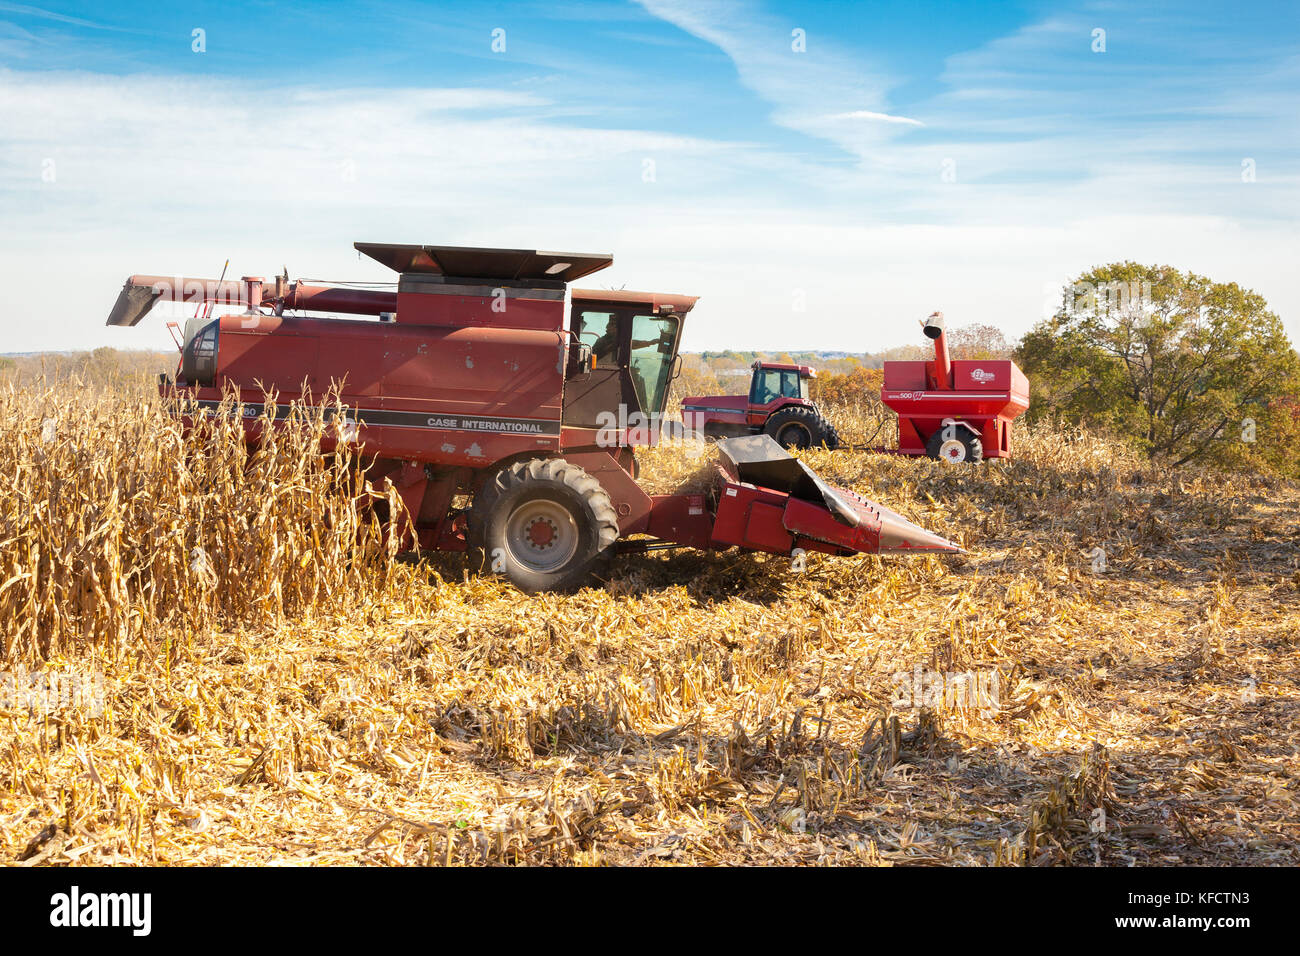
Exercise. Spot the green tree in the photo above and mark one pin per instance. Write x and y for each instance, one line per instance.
(1187, 368)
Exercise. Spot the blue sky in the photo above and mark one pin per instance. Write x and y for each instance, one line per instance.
(912, 156)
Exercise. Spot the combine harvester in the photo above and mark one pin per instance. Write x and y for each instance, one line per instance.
(953, 411)
(466, 382)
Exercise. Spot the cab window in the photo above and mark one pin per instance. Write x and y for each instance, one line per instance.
(600, 331)
(653, 338)
(767, 386)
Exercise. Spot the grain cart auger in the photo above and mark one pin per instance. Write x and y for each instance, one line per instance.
(472, 386)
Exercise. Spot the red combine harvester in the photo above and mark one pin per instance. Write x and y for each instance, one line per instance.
(470, 384)
(952, 411)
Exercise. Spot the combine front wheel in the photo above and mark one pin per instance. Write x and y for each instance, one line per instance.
(797, 426)
(546, 524)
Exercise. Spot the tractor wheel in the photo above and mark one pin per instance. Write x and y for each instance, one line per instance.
(546, 524)
(960, 444)
(798, 426)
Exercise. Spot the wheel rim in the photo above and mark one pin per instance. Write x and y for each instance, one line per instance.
(796, 435)
(542, 535)
(953, 451)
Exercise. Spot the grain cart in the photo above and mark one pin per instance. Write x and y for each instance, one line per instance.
(954, 411)
(467, 384)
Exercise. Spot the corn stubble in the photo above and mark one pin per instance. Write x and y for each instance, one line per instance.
(282, 689)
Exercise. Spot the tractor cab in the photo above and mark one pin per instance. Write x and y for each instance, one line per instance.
(772, 381)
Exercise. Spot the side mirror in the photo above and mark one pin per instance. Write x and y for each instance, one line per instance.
(581, 361)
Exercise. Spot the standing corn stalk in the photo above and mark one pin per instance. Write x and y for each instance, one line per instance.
(117, 524)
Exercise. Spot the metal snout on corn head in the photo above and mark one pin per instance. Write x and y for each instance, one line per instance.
(483, 388)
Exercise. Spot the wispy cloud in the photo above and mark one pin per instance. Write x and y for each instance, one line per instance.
(875, 117)
(1041, 120)
(811, 82)
(25, 10)
(15, 42)
(164, 173)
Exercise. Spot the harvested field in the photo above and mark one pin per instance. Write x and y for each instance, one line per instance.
(297, 696)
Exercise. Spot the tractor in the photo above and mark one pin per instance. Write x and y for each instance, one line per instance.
(777, 405)
(482, 390)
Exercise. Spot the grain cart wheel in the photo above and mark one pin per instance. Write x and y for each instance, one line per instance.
(955, 444)
(547, 524)
(798, 426)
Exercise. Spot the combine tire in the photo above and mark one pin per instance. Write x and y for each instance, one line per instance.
(798, 426)
(544, 523)
(955, 444)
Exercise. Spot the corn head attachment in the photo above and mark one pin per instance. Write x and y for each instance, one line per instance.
(770, 501)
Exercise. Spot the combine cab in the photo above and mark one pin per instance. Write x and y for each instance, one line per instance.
(485, 377)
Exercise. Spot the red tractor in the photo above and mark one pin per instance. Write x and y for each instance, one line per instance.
(485, 377)
(777, 405)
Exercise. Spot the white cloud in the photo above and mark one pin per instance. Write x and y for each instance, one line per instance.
(1056, 159)
(810, 90)
(103, 176)
(875, 117)
(24, 9)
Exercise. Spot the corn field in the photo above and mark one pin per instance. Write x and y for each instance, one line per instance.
(116, 528)
(1108, 676)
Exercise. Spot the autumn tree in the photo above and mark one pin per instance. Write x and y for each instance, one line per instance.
(978, 342)
(1186, 368)
(858, 385)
